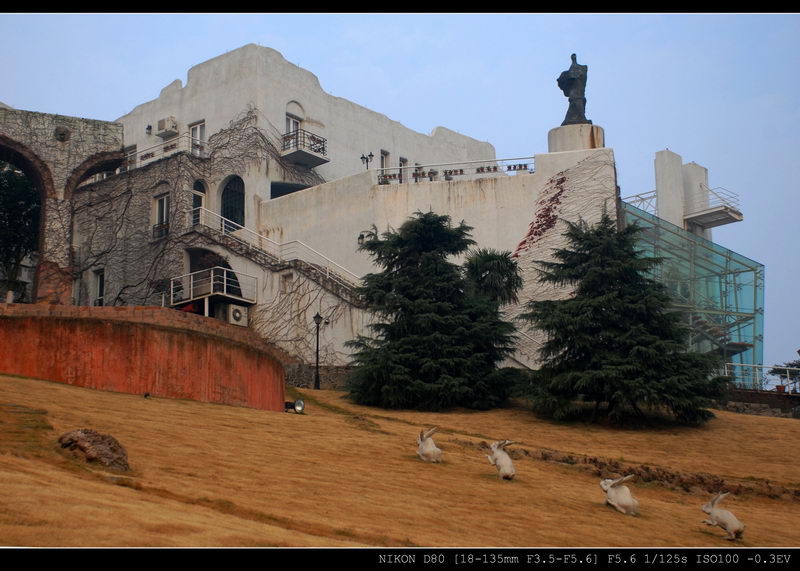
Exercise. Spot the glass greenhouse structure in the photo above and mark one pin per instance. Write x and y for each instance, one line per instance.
(720, 292)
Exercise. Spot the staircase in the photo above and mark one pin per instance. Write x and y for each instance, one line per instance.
(277, 257)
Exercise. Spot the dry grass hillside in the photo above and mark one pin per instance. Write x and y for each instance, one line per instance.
(345, 475)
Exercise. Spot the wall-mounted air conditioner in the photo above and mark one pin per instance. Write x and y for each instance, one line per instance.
(167, 127)
(237, 315)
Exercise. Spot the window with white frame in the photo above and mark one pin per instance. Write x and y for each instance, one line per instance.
(198, 201)
(197, 132)
(99, 287)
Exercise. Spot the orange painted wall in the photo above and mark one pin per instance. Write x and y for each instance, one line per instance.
(134, 350)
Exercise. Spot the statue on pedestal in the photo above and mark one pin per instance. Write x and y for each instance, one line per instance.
(573, 83)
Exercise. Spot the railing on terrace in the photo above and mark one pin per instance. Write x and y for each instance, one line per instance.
(464, 170)
(645, 201)
(757, 377)
(216, 280)
(177, 144)
(712, 198)
(301, 139)
(290, 251)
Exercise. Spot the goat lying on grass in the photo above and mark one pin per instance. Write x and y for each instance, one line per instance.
(619, 496)
(427, 450)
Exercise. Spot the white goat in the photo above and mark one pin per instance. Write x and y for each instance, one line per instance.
(619, 496)
(427, 450)
(500, 459)
(723, 518)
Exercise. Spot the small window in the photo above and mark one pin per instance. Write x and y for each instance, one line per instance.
(161, 224)
(384, 159)
(198, 135)
(286, 282)
(292, 123)
(403, 165)
(198, 201)
(99, 287)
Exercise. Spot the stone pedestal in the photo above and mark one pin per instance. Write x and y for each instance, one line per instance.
(577, 137)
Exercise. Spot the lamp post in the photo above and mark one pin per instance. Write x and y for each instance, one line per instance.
(317, 322)
(366, 160)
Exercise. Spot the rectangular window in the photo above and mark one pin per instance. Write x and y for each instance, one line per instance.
(403, 165)
(286, 282)
(384, 159)
(197, 132)
(99, 287)
(161, 225)
(292, 123)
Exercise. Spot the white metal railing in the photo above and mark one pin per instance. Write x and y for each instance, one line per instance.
(287, 252)
(757, 377)
(177, 144)
(710, 198)
(645, 201)
(464, 170)
(216, 280)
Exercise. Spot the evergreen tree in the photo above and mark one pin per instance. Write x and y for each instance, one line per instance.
(19, 220)
(615, 340)
(435, 345)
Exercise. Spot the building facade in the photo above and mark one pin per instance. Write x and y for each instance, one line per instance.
(244, 195)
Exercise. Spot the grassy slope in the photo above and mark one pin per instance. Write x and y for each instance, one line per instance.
(344, 475)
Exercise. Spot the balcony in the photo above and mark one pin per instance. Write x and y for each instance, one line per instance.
(713, 207)
(304, 148)
(216, 282)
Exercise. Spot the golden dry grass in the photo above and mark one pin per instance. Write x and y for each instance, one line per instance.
(346, 475)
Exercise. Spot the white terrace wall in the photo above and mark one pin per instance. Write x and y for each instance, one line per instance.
(521, 213)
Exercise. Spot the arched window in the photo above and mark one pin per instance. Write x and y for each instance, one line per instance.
(233, 201)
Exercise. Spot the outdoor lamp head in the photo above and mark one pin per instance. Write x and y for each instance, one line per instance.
(297, 406)
(317, 318)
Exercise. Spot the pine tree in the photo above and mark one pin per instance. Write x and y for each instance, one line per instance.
(616, 340)
(435, 345)
(19, 220)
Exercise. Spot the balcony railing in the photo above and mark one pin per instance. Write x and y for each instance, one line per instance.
(305, 140)
(213, 281)
(305, 148)
(757, 377)
(465, 170)
(181, 143)
(287, 252)
(160, 230)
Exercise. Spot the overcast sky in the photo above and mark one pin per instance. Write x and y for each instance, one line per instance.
(719, 90)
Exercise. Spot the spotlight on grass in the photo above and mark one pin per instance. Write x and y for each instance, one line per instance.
(297, 406)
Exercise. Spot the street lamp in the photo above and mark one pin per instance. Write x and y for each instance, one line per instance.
(366, 160)
(317, 322)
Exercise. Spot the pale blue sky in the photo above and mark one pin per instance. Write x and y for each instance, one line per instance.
(719, 90)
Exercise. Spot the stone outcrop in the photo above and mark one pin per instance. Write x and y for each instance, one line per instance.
(92, 447)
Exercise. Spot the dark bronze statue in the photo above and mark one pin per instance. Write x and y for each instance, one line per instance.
(573, 83)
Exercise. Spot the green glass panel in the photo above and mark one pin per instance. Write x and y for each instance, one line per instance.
(720, 292)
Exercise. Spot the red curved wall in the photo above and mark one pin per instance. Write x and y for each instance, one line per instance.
(135, 350)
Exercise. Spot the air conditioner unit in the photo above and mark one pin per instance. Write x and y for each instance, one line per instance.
(237, 315)
(167, 127)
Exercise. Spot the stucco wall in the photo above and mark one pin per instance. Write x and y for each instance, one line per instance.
(219, 89)
(523, 213)
(141, 349)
